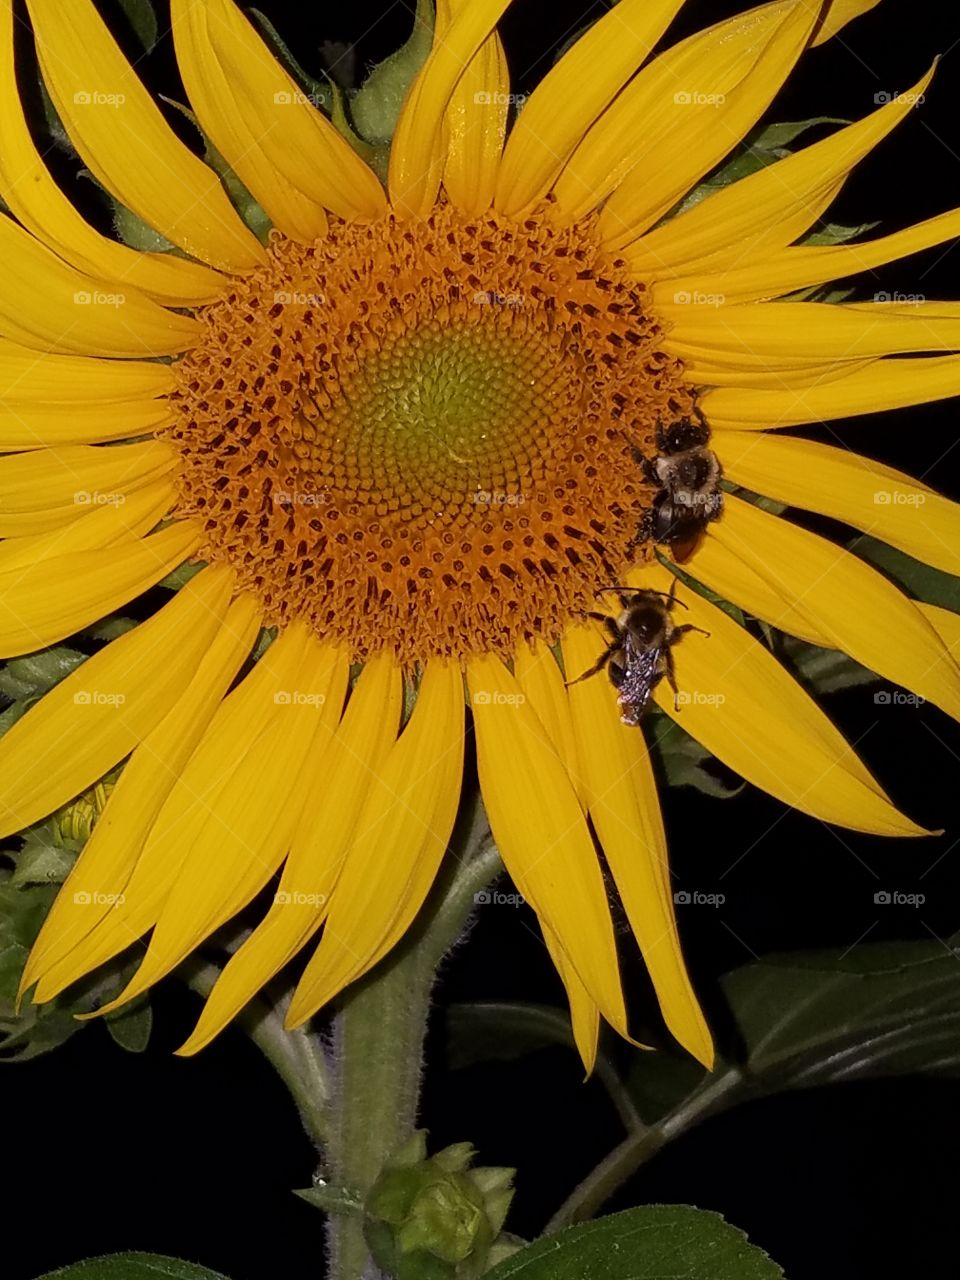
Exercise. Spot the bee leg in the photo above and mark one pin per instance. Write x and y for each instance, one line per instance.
(608, 622)
(669, 670)
(688, 626)
(599, 665)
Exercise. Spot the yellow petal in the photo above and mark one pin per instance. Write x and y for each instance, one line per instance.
(125, 141)
(688, 131)
(247, 832)
(787, 331)
(877, 499)
(50, 306)
(238, 722)
(542, 682)
(31, 193)
(884, 384)
(26, 377)
(625, 811)
(703, 368)
(105, 524)
(476, 120)
(417, 151)
(584, 1014)
(397, 846)
(856, 608)
(343, 773)
(838, 14)
(222, 113)
(97, 714)
(43, 604)
(732, 579)
(101, 874)
(77, 477)
(769, 209)
(541, 831)
(28, 425)
(802, 266)
(304, 148)
(569, 98)
(946, 623)
(737, 700)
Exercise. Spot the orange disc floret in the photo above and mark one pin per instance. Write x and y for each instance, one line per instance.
(419, 436)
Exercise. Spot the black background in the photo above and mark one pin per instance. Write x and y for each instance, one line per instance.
(196, 1158)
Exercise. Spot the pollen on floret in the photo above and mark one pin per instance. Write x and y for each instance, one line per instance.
(421, 437)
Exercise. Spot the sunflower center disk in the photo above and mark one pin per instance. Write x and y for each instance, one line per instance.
(418, 436)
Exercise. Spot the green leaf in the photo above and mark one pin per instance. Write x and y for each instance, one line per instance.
(685, 762)
(376, 104)
(133, 1266)
(824, 670)
(180, 576)
(920, 580)
(822, 1017)
(35, 674)
(44, 859)
(142, 18)
(502, 1031)
(130, 1027)
(332, 1198)
(656, 1242)
(834, 233)
(318, 91)
(763, 147)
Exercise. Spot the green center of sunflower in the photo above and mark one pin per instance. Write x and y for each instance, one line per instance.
(420, 436)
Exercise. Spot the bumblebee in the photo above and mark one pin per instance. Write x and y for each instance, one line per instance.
(687, 474)
(639, 653)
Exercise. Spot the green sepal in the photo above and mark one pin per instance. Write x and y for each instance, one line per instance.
(142, 20)
(376, 105)
(921, 580)
(318, 92)
(685, 761)
(437, 1217)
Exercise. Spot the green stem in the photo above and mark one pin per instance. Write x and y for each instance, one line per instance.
(296, 1056)
(378, 1045)
(637, 1148)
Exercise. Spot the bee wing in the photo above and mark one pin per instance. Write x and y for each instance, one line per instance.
(642, 671)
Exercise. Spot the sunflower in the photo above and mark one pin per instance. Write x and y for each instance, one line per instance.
(408, 436)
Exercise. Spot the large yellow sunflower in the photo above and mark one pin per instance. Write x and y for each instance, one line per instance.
(404, 433)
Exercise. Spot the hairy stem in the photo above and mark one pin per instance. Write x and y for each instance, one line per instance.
(637, 1148)
(378, 1044)
(296, 1056)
